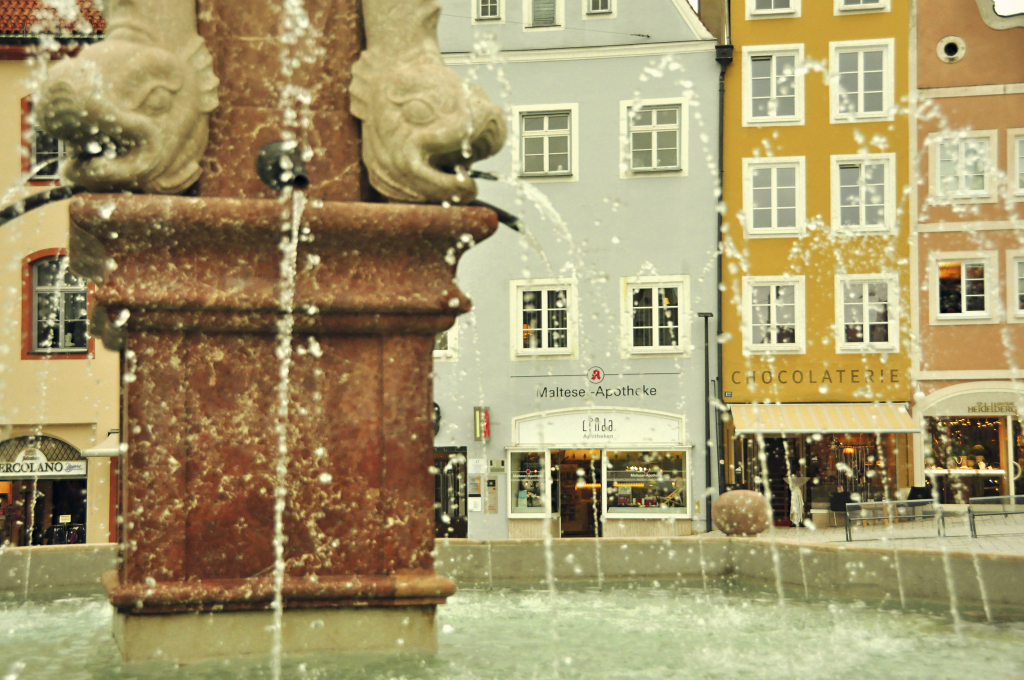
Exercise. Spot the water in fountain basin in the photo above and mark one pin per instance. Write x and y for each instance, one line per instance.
(622, 633)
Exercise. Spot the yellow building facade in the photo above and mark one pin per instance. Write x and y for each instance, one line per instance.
(816, 288)
(59, 388)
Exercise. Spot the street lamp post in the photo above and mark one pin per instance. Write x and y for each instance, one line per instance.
(707, 420)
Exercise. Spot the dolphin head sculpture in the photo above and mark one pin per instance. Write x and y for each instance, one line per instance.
(133, 115)
(423, 126)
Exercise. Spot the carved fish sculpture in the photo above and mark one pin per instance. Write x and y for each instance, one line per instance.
(133, 109)
(423, 126)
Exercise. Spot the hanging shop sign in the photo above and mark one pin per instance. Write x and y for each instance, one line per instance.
(481, 423)
(33, 463)
(598, 426)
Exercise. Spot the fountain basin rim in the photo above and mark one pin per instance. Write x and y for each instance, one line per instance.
(258, 593)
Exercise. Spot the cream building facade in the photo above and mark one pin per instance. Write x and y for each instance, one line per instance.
(59, 388)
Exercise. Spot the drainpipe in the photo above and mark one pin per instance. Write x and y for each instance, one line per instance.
(707, 421)
(723, 55)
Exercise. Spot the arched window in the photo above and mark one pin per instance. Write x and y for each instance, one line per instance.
(60, 308)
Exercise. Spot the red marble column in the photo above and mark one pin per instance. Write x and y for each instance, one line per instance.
(190, 288)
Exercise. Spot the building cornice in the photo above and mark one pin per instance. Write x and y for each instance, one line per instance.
(971, 91)
(576, 53)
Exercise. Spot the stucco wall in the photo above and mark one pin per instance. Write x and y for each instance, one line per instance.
(819, 255)
(72, 399)
(991, 57)
(614, 228)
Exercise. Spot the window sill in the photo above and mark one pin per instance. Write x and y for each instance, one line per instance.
(676, 350)
(939, 199)
(862, 9)
(654, 171)
(570, 177)
(867, 349)
(773, 233)
(561, 354)
(773, 349)
(772, 122)
(630, 173)
(773, 14)
(39, 356)
(963, 319)
(848, 230)
(542, 26)
(486, 19)
(444, 356)
(600, 13)
(851, 118)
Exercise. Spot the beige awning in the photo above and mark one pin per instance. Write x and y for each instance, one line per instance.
(822, 418)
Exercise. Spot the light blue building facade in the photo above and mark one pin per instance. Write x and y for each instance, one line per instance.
(584, 345)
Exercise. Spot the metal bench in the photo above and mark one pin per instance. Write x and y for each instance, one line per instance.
(993, 505)
(895, 512)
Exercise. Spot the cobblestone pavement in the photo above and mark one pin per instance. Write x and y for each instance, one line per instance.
(996, 534)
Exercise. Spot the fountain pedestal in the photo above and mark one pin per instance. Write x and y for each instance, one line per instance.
(190, 292)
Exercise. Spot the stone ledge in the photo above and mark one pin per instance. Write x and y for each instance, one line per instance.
(191, 637)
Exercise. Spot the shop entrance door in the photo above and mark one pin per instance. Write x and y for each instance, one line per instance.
(782, 460)
(577, 491)
(450, 492)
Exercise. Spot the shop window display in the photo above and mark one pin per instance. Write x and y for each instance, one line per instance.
(967, 458)
(647, 482)
(527, 478)
(861, 465)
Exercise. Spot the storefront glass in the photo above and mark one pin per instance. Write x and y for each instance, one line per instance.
(967, 457)
(651, 482)
(526, 474)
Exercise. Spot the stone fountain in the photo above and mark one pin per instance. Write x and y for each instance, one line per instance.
(178, 100)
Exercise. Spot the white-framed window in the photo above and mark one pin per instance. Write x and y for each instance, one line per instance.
(774, 200)
(598, 8)
(543, 317)
(446, 344)
(862, 80)
(962, 166)
(864, 193)
(963, 287)
(859, 6)
(488, 11)
(60, 308)
(773, 315)
(1015, 286)
(1015, 161)
(773, 85)
(543, 14)
(654, 137)
(47, 152)
(546, 140)
(656, 315)
(772, 9)
(867, 313)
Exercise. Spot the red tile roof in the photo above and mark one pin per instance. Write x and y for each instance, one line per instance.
(31, 17)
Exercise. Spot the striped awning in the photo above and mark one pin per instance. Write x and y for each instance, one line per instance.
(811, 418)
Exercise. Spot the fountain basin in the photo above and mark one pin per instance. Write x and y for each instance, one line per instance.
(637, 631)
